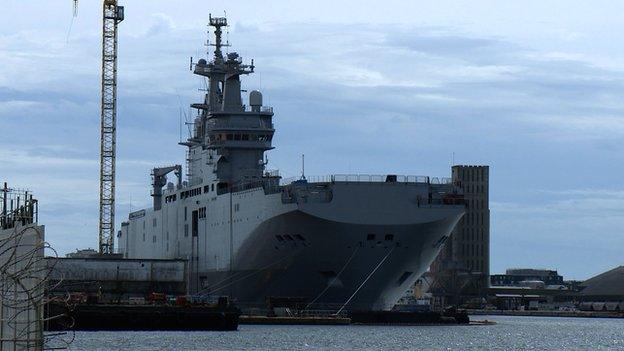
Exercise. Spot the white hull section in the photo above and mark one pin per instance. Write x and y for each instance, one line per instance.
(323, 244)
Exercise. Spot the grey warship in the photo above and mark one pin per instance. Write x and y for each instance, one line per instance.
(354, 242)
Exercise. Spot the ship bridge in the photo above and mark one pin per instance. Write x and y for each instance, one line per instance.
(229, 138)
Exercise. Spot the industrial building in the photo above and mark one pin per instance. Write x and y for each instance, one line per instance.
(531, 288)
(526, 277)
(113, 278)
(461, 271)
(607, 288)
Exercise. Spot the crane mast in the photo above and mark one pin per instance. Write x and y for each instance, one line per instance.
(112, 15)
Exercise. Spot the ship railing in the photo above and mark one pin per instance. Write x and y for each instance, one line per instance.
(372, 178)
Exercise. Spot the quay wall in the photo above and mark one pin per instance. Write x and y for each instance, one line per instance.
(586, 314)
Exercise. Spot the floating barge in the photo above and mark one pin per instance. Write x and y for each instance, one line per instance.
(96, 317)
(410, 318)
(365, 318)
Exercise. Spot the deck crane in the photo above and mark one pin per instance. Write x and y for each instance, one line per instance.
(112, 14)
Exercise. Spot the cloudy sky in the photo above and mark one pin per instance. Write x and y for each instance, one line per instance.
(532, 89)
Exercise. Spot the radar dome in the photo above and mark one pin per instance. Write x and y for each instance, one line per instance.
(255, 98)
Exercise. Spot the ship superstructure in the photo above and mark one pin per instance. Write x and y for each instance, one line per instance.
(340, 241)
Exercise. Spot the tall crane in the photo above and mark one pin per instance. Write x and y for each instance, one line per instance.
(112, 14)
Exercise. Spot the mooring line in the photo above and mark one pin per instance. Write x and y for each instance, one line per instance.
(334, 279)
(246, 276)
(365, 280)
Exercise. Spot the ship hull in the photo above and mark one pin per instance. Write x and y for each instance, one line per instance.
(329, 264)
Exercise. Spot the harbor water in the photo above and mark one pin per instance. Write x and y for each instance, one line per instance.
(509, 333)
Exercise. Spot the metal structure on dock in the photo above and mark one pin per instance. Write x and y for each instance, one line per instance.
(24, 276)
(112, 15)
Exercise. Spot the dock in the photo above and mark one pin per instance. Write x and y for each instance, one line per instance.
(537, 313)
(295, 320)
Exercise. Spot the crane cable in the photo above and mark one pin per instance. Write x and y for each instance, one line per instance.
(71, 24)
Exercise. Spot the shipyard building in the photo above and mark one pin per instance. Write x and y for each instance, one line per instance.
(462, 269)
(604, 292)
(527, 277)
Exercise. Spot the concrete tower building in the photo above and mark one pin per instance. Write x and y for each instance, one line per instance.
(463, 267)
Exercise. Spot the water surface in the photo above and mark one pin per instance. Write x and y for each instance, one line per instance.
(510, 333)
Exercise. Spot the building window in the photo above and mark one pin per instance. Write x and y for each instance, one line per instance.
(154, 239)
(370, 237)
(389, 237)
(153, 222)
(186, 230)
(143, 237)
(185, 213)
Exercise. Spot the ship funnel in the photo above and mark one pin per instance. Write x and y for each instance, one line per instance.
(255, 100)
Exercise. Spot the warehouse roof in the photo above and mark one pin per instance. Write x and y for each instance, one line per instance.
(605, 284)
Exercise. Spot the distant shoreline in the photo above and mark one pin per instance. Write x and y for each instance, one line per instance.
(585, 314)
